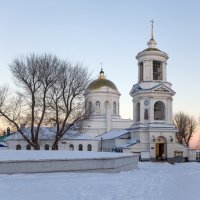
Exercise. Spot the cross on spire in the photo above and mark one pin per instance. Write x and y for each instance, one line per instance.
(152, 22)
(101, 74)
(101, 65)
(152, 43)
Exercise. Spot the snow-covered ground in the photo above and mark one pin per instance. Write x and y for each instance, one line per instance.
(151, 181)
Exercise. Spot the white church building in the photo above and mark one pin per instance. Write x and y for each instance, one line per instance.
(150, 133)
(102, 101)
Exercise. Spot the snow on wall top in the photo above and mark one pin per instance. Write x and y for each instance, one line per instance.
(13, 155)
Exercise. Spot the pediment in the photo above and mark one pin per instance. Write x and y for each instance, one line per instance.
(163, 89)
(160, 88)
(135, 89)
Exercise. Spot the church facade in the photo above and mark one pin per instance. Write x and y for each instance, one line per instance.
(150, 133)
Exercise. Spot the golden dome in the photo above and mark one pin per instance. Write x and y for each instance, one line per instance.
(98, 83)
(101, 82)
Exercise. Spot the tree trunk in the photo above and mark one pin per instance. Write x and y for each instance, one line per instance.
(55, 145)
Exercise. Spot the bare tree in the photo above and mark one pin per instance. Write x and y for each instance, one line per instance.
(66, 100)
(34, 75)
(50, 90)
(186, 126)
(10, 109)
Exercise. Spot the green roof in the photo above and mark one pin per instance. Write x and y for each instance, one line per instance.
(2, 137)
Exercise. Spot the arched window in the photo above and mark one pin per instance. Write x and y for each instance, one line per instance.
(80, 147)
(90, 107)
(71, 147)
(141, 71)
(97, 107)
(159, 111)
(28, 147)
(138, 111)
(46, 147)
(107, 105)
(89, 147)
(18, 147)
(157, 70)
(114, 108)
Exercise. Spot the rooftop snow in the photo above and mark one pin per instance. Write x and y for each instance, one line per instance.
(49, 133)
(112, 134)
(127, 143)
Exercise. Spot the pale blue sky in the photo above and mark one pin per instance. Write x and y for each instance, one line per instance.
(108, 31)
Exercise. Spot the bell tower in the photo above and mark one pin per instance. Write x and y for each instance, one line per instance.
(152, 100)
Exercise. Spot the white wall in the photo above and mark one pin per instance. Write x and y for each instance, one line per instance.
(63, 144)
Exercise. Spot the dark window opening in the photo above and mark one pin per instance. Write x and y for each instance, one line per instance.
(18, 147)
(80, 147)
(97, 107)
(114, 108)
(159, 111)
(89, 147)
(28, 147)
(141, 71)
(137, 112)
(71, 147)
(46, 147)
(157, 70)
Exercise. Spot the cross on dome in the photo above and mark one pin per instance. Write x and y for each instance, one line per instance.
(101, 73)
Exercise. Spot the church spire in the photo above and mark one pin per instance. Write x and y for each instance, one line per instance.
(152, 43)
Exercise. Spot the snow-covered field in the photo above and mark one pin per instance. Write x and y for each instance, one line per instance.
(150, 181)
